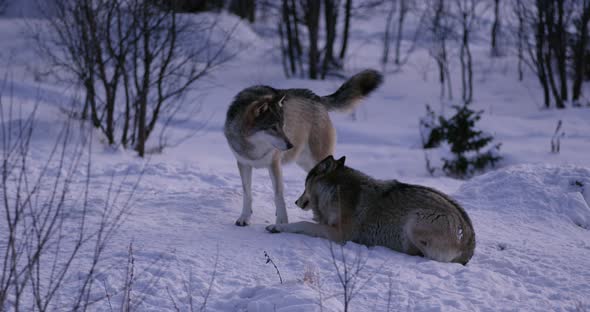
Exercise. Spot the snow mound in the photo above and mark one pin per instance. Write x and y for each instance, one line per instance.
(224, 27)
(289, 297)
(543, 193)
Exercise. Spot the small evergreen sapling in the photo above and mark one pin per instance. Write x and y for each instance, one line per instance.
(470, 146)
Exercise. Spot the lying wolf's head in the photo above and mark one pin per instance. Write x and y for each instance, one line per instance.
(323, 168)
(265, 118)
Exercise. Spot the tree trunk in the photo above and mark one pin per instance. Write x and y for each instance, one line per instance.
(296, 41)
(579, 59)
(347, 12)
(440, 54)
(520, 40)
(463, 64)
(447, 71)
(284, 50)
(290, 39)
(561, 51)
(142, 131)
(495, 29)
(540, 43)
(441, 77)
(552, 51)
(387, 36)
(91, 100)
(331, 18)
(469, 72)
(312, 17)
(127, 115)
(465, 54)
(403, 9)
(244, 8)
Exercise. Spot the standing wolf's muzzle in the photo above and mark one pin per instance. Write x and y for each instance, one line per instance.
(283, 145)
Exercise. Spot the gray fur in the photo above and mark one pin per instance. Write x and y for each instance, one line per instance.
(267, 127)
(417, 220)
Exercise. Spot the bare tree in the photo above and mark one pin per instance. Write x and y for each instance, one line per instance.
(539, 23)
(440, 27)
(289, 31)
(311, 13)
(3, 5)
(40, 208)
(306, 13)
(533, 17)
(244, 8)
(346, 31)
(520, 33)
(555, 52)
(579, 59)
(135, 60)
(188, 292)
(331, 17)
(466, 13)
(351, 271)
(348, 272)
(403, 11)
(402, 8)
(387, 34)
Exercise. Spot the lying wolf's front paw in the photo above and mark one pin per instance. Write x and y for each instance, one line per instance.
(274, 228)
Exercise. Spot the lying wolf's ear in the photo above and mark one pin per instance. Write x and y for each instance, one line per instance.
(326, 164)
(340, 162)
(281, 102)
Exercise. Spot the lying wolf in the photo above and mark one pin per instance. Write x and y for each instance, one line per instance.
(349, 205)
(267, 127)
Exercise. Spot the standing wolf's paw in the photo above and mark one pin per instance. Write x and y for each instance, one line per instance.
(243, 221)
(282, 219)
(274, 228)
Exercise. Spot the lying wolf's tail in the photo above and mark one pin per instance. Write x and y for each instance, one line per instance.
(353, 90)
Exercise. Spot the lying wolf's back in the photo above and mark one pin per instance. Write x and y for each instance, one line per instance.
(403, 216)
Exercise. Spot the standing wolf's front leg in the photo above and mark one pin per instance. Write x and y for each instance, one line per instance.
(246, 175)
(276, 176)
(309, 229)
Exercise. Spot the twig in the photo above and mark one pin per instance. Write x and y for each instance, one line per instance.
(108, 296)
(172, 299)
(211, 281)
(555, 139)
(269, 260)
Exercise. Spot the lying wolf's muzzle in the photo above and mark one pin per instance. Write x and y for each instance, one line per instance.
(302, 203)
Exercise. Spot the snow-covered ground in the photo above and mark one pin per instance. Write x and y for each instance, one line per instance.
(531, 215)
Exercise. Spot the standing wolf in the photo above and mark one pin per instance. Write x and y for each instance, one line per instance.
(350, 205)
(267, 127)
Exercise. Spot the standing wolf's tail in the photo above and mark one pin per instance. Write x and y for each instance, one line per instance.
(353, 90)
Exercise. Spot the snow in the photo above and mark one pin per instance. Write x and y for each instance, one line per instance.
(531, 215)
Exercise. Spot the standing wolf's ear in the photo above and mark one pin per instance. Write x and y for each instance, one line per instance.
(340, 162)
(260, 108)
